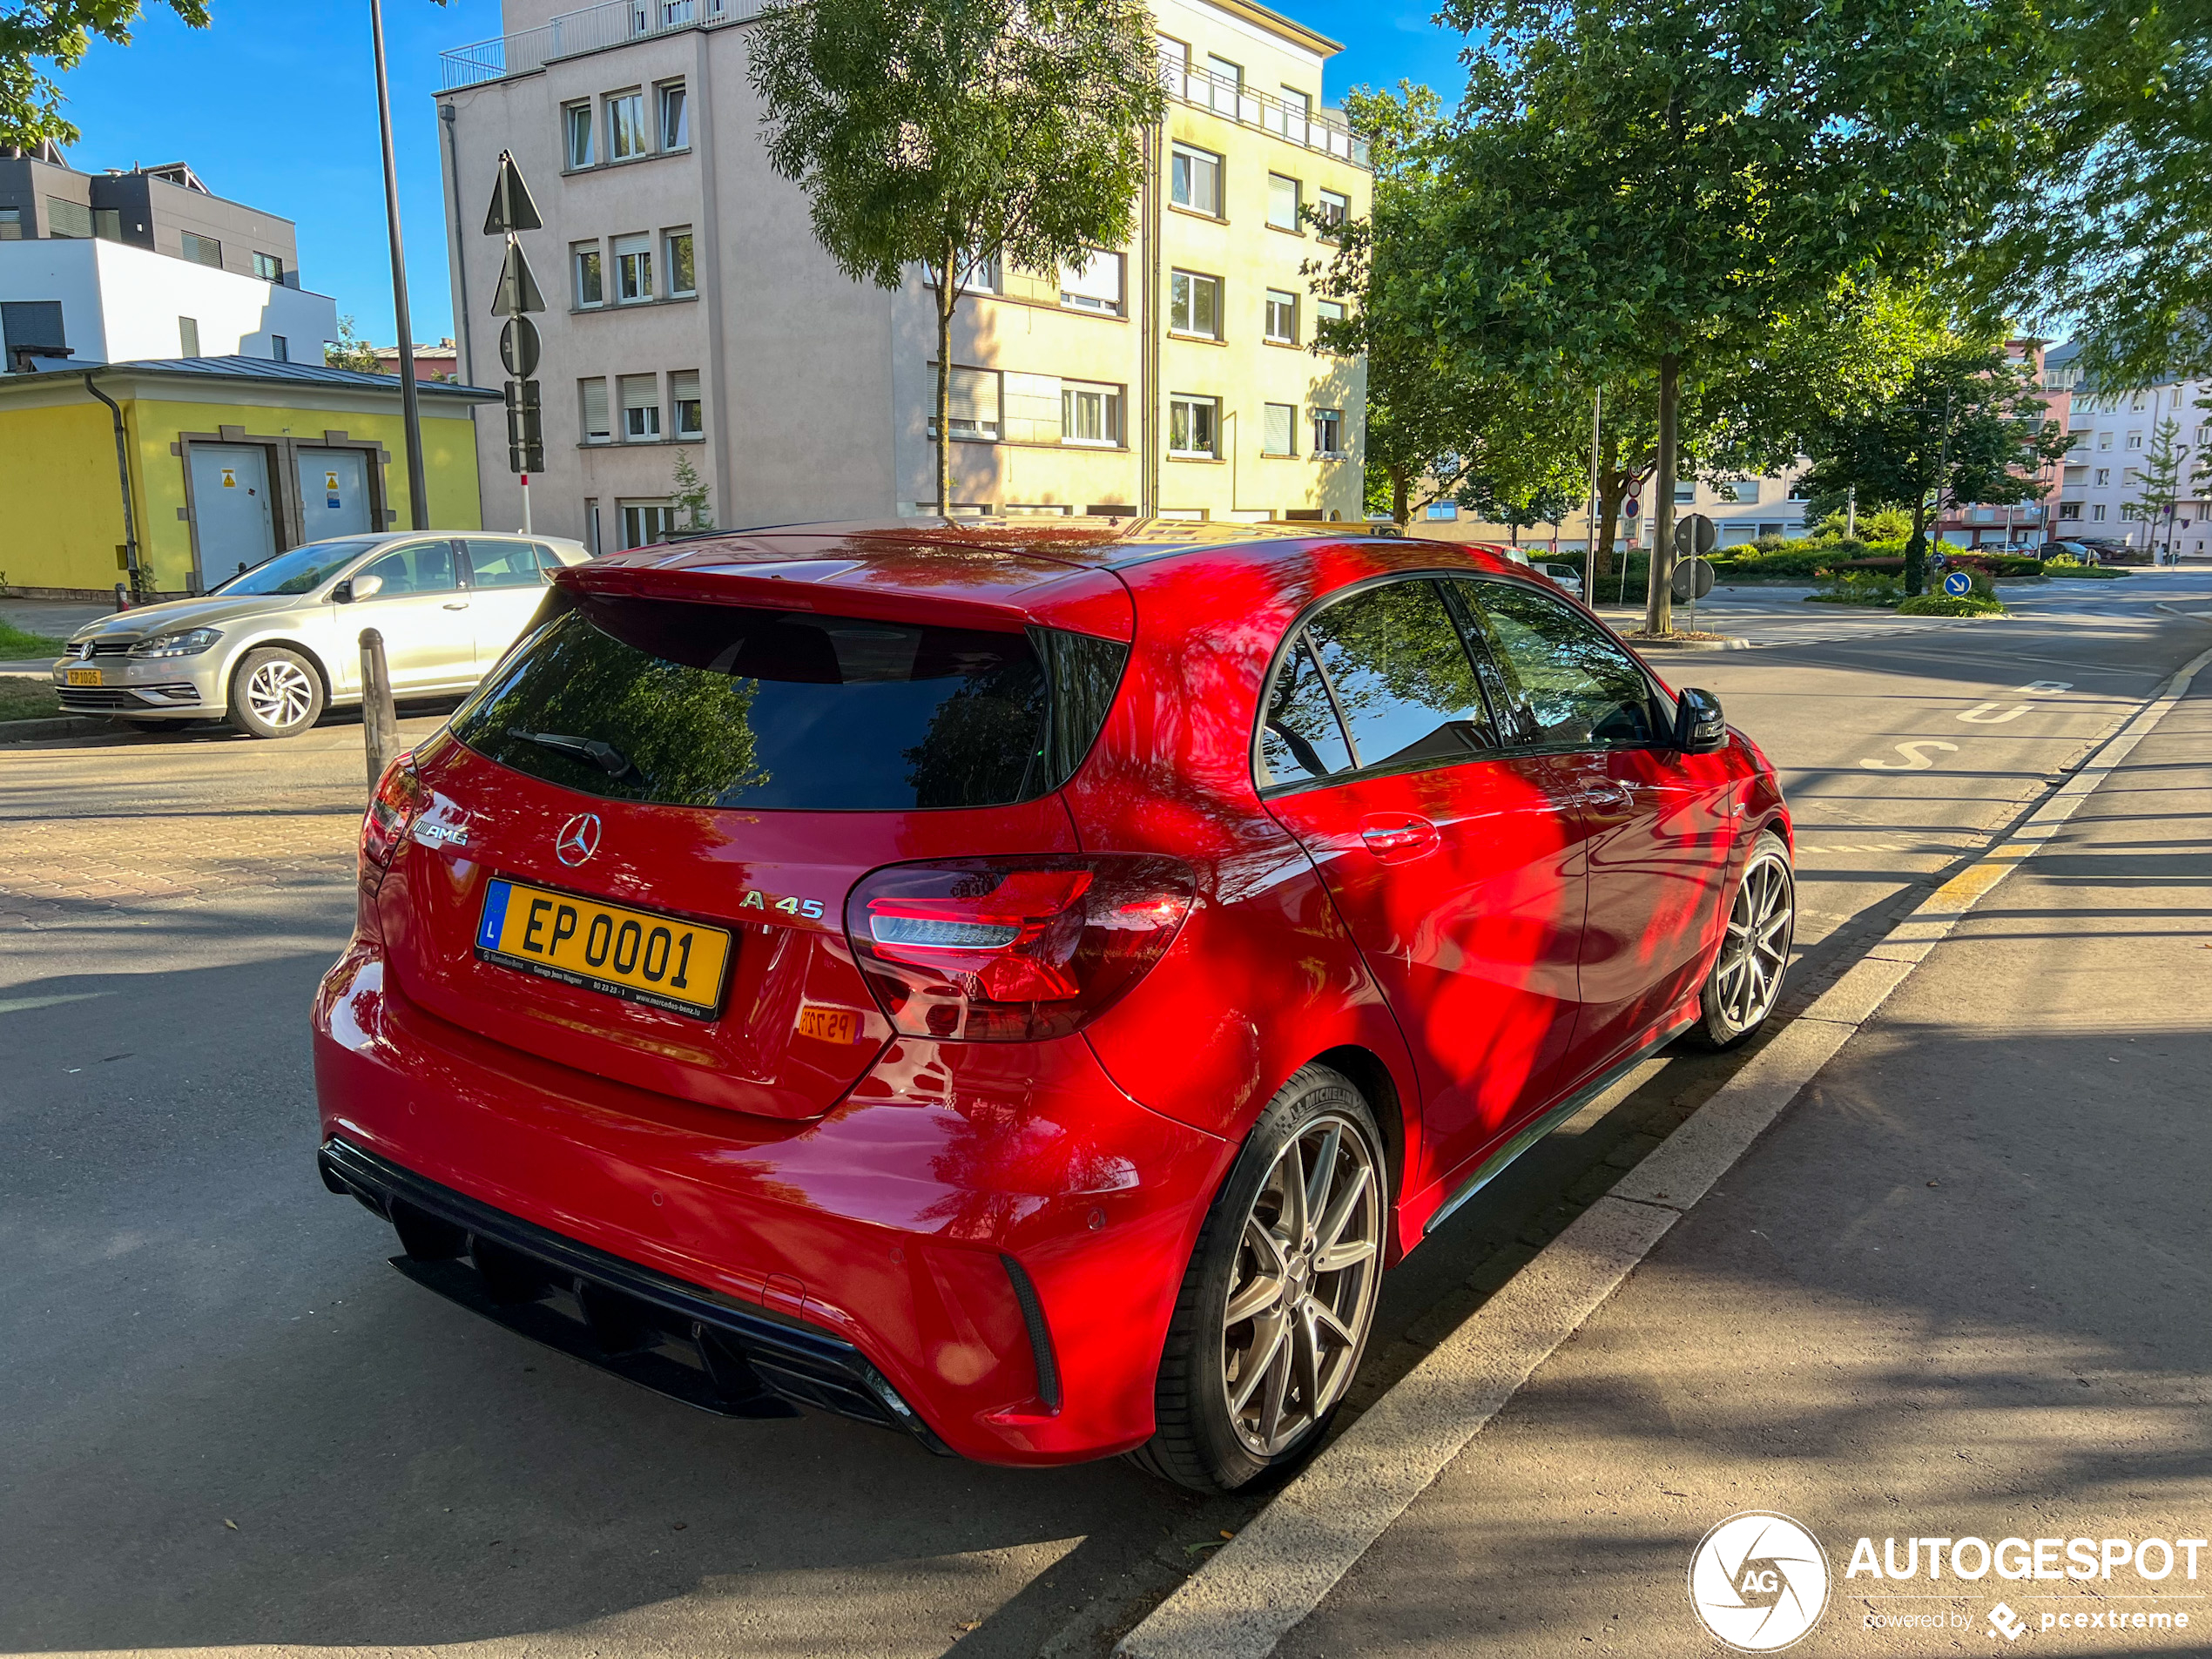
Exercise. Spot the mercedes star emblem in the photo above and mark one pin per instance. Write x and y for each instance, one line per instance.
(579, 839)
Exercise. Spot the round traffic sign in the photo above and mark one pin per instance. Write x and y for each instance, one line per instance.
(1693, 580)
(1958, 584)
(1694, 535)
(1631, 507)
(518, 347)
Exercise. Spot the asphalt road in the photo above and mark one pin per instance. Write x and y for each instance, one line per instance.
(224, 1423)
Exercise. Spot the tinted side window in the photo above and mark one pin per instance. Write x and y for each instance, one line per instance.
(1402, 675)
(1299, 737)
(1572, 686)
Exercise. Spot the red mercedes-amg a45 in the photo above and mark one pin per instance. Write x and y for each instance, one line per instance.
(1022, 986)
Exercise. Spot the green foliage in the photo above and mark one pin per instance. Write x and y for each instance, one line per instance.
(2066, 565)
(350, 351)
(1942, 605)
(59, 32)
(1862, 587)
(948, 133)
(690, 494)
(18, 646)
(2159, 480)
(23, 697)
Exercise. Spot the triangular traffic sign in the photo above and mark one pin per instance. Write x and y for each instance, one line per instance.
(517, 288)
(511, 206)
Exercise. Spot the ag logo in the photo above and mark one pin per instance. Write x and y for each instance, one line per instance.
(1759, 1582)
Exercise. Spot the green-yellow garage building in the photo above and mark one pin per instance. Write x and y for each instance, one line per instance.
(230, 460)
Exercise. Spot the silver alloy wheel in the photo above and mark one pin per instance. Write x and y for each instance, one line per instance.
(279, 693)
(1303, 1291)
(1748, 978)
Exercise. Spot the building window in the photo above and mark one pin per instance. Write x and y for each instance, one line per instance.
(1331, 211)
(576, 126)
(646, 523)
(2104, 440)
(188, 336)
(1800, 491)
(1194, 180)
(626, 135)
(2097, 512)
(11, 224)
(268, 267)
(974, 395)
(675, 116)
(2135, 439)
(977, 276)
(1277, 421)
(1328, 432)
(1444, 511)
(203, 250)
(633, 269)
(590, 274)
(1194, 427)
(1194, 305)
(1327, 312)
(1282, 317)
(640, 408)
(1225, 82)
(2104, 477)
(279, 348)
(2069, 510)
(74, 219)
(1091, 414)
(1685, 494)
(1297, 109)
(1282, 202)
(684, 394)
(2136, 401)
(683, 276)
(1094, 286)
(1742, 491)
(592, 395)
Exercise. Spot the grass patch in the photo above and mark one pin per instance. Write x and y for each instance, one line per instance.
(18, 646)
(1864, 601)
(1942, 605)
(24, 698)
(2082, 572)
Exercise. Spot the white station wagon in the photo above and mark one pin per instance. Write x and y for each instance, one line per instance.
(275, 645)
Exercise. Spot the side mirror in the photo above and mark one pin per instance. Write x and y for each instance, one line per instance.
(1700, 727)
(361, 587)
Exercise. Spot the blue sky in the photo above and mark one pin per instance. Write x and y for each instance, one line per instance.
(276, 104)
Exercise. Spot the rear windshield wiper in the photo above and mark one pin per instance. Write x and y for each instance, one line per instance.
(606, 756)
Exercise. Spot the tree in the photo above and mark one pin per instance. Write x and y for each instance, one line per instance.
(951, 133)
(1649, 186)
(690, 494)
(59, 32)
(1966, 426)
(2158, 483)
(350, 351)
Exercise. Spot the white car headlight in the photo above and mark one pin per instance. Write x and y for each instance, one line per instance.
(189, 642)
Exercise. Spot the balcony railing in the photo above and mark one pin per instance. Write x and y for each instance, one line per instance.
(593, 28)
(1323, 130)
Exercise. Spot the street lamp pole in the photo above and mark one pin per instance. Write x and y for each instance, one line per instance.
(410, 403)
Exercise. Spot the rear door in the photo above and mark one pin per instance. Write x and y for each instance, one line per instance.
(1661, 834)
(422, 610)
(1453, 861)
(506, 586)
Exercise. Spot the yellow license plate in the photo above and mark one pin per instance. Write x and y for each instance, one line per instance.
(829, 1025)
(636, 954)
(84, 677)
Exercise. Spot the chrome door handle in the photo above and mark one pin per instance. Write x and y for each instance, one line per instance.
(1399, 836)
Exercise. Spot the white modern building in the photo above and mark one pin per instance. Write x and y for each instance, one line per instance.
(2101, 496)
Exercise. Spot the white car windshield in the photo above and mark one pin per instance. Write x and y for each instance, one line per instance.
(300, 570)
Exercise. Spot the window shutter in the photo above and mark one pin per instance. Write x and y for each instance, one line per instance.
(975, 398)
(684, 384)
(1098, 280)
(597, 428)
(638, 392)
(1277, 428)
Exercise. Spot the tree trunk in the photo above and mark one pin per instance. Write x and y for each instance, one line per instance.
(1916, 552)
(1658, 605)
(947, 298)
(1401, 491)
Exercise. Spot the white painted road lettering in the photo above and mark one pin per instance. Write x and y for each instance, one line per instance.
(1914, 760)
(1981, 713)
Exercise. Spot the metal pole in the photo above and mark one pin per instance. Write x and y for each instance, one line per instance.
(122, 468)
(1589, 551)
(410, 405)
(379, 722)
(526, 504)
(1851, 514)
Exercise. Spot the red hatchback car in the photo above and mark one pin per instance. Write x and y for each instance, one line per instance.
(1022, 986)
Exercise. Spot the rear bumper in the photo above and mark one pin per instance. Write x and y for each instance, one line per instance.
(994, 1230)
(678, 1339)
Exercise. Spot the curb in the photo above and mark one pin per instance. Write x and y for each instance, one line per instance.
(58, 725)
(1264, 1581)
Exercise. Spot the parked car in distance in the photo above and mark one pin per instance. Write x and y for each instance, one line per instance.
(275, 645)
(1565, 577)
(1016, 985)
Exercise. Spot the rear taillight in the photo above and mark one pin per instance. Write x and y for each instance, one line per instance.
(391, 811)
(1012, 949)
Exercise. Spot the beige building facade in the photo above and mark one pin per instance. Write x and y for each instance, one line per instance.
(690, 311)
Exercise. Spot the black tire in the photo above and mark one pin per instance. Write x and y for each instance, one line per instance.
(275, 693)
(1762, 920)
(1318, 1329)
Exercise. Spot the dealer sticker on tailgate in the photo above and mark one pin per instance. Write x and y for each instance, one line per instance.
(656, 959)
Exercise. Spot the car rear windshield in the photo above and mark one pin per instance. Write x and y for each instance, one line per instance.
(692, 704)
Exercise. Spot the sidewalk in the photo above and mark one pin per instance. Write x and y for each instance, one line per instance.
(1958, 1290)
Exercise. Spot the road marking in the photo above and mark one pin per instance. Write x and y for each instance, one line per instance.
(1980, 715)
(24, 1004)
(1914, 760)
(1261, 1585)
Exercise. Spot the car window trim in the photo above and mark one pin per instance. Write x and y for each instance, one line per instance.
(1659, 705)
(1295, 638)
